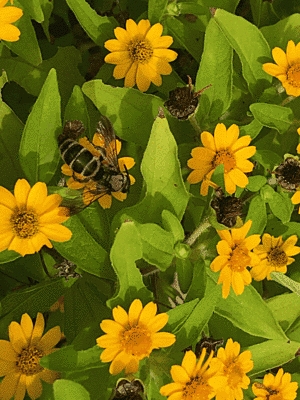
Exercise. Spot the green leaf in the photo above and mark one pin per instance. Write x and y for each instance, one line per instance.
(190, 39)
(256, 182)
(10, 137)
(267, 158)
(240, 33)
(286, 282)
(228, 5)
(172, 224)
(130, 111)
(253, 129)
(184, 269)
(69, 390)
(98, 28)
(279, 34)
(286, 307)
(273, 116)
(76, 107)
(179, 314)
(27, 46)
(34, 299)
(280, 203)
(156, 10)
(128, 248)
(32, 78)
(217, 51)
(33, 8)
(272, 354)
(39, 155)
(196, 320)
(257, 213)
(250, 313)
(158, 245)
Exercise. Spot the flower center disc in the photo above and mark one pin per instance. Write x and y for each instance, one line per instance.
(137, 341)
(224, 157)
(24, 224)
(277, 257)
(239, 259)
(294, 75)
(140, 51)
(29, 361)
(196, 389)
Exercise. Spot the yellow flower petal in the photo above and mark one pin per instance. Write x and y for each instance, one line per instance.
(142, 80)
(21, 192)
(105, 201)
(34, 386)
(50, 339)
(130, 77)
(7, 199)
(280, 57)
(27, 326)
(38, 329)
(155, 32)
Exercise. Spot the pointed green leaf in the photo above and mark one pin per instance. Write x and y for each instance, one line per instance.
(287, 282)
(273, 116)
(240, 33)
(68, 390)
(39, 154)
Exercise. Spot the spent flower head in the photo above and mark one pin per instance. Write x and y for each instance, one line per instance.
(288, 173)
(192, 379)
(275, 255)
(233, 366)
(89, 188)
(29, 218)
(234, 257)
(140, 53)
(278, 387)
(8, 15)
(20, 356)
(224, 147)
(132, 336)
(287, 67)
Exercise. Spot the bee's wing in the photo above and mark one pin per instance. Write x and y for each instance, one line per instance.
(84, 197)
(109, 150)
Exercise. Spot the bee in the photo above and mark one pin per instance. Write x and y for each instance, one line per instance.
(100, 172)
(129, 390)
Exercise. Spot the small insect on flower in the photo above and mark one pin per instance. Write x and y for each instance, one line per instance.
(183, 101)
(129, 390)
(94, 167)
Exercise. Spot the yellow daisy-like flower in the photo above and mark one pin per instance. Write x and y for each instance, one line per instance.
(295, 199)
(8, 15)
(20, 357)
(140, 53)
(234, 366)
(298, 147)
(132, 337)
(105, 201)
(275, 255)
(287, 67)
(278, 387)
(191, 379)
(226, 148)
(234, 257)
(29, 218)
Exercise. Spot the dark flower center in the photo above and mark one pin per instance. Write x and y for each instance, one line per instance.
(29, 361)
(24, 224)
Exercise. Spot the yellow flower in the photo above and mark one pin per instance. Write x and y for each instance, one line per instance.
(287, 67)
(234, 366)
(20, 356)
(226, 148)
(296, 199)
(89, 187)
(132, 337)
(234, 258)
(278, 387)
(191, 379)
(298, 147)
(30, 218)
(140, 53)
(274, 255)
(8, 15)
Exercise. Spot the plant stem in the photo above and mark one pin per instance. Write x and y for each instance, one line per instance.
(197, 232)
(195, 124)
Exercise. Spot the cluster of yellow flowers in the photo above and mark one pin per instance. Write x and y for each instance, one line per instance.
(130, 338)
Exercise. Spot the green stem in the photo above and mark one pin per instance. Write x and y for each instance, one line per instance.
(194, 123)
(197, 232)
(287, 100)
